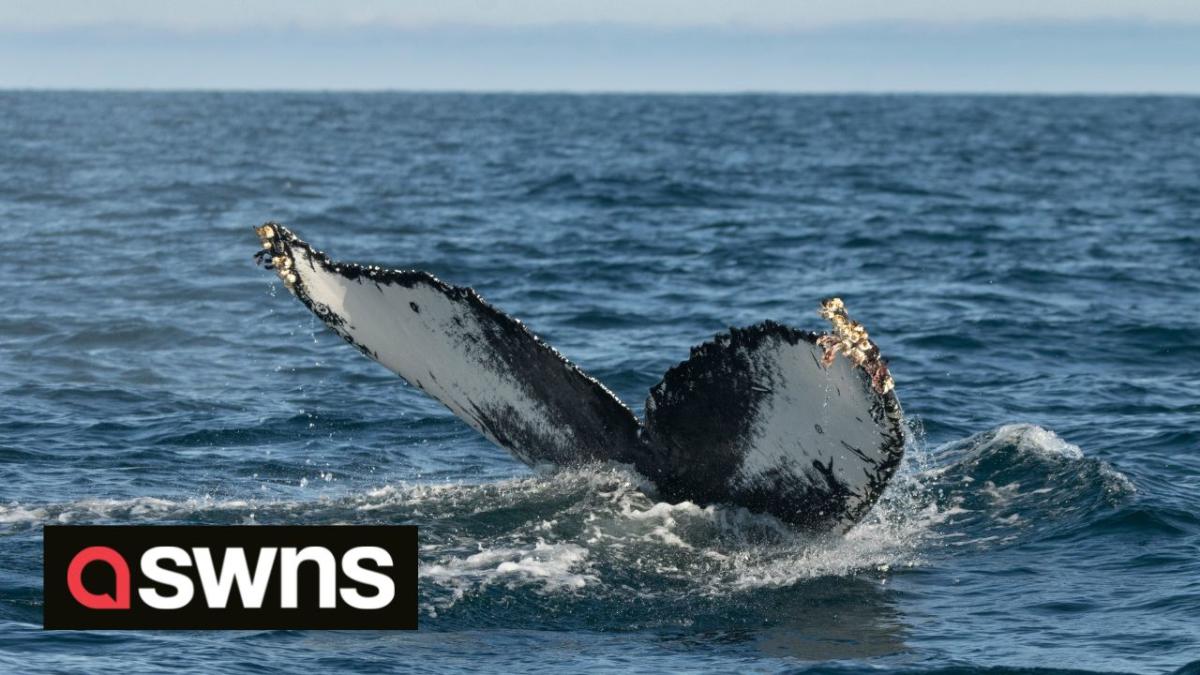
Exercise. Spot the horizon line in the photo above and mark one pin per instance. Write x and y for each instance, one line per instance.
(1066, 93)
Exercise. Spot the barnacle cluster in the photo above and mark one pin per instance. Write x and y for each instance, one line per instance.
(850, 338)
(279, 260)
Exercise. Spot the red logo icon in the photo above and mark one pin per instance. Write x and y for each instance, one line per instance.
(92, 600)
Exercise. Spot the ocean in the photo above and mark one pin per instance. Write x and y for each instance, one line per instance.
(1029, 266)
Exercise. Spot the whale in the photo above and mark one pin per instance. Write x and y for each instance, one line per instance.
(804, 426)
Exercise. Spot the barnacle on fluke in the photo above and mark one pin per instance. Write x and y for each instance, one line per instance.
(274, 248)
(765, 417)
(850, 338)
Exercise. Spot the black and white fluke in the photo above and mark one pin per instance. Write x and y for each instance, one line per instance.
(800, 425)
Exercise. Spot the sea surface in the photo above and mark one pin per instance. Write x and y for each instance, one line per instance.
(1029, 265)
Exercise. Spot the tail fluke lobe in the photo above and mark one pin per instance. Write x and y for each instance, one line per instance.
(759, 417)
(485, 366)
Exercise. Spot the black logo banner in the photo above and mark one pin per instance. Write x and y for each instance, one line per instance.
(230, 577)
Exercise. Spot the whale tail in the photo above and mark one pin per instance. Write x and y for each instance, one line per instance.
(765, 417)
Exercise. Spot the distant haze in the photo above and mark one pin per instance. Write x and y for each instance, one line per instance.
(1063, 46)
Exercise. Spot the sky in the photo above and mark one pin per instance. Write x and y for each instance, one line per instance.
(1050, 46)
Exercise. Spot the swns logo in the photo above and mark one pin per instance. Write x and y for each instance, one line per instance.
(230, 577)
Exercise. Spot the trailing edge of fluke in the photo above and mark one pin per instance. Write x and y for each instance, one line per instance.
(800, 425)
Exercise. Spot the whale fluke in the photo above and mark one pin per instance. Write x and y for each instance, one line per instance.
(756, 418)
(485, 366)
(765, 417)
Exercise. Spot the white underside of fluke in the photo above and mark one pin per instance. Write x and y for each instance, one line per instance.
(813, 414)
(434, 343)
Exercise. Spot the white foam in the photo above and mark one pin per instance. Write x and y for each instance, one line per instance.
(552, 566)
(1034, 439)
(139, 508)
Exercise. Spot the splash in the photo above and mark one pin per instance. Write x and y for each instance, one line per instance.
(589, 532)
(592, 532)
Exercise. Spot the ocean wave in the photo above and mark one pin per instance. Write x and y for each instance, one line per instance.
(1021, 481)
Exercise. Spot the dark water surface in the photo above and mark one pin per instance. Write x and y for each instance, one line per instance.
(1029, 265)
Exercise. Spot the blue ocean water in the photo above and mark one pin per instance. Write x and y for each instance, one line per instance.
(1028, 264)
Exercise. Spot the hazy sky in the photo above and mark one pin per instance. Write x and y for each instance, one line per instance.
(663, 45)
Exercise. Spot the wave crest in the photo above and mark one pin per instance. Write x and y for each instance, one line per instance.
(1019, 481)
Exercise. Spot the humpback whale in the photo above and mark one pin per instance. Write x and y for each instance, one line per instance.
(800, 425)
